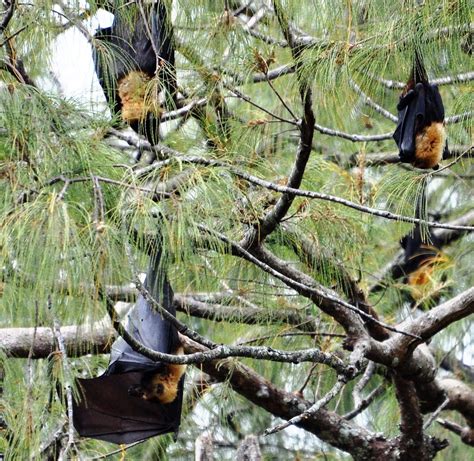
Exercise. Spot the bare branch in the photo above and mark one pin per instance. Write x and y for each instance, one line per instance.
(459, 117)
(466, 433)
(310, 194)
(365, 402)
(327, 425)
(448, 80)
(70, 445)
(326, 299)
(428, 324)
(373, 104)
(435, 414)
(312, 410)
(353, 137)
(248, 315)
(223, 351)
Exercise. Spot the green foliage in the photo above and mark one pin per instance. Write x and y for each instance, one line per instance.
(63, 235)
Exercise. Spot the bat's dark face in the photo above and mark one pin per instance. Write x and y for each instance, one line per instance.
(159, 386)
(147, 391)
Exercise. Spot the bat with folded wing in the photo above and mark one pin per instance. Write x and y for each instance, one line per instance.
(134, 60)
(136, 398)
(420, 134)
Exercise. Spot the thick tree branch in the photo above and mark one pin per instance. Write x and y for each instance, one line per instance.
(411, 421)
(428, 324)
(327, 425)
(325, 298)
(18, 342)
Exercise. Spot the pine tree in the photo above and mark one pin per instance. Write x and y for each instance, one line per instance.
(281, 204)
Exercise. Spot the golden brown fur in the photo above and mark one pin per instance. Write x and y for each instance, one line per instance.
(423, 280)
(422, 275)
(162, 386)
(430, 145)
(136, 103)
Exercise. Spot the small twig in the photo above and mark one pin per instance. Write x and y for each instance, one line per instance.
(360, 385)
(306, 381)
(450, 425)
(183, 111)
(365, 402)
(459, 118)
(435, 414)
(7, 39)
(53, 439)
(448, 80)
(67, 387)
(290, 334)
(26, 196)
(30, 354)
(341, 382)
(99, 209)
(245, 98)
(372, 103)
(285, 105)
(267, 38)
(450, 164)
(258, 16)
(353, 137)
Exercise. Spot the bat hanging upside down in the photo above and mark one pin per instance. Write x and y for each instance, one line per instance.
(160, 385)
(420, 134)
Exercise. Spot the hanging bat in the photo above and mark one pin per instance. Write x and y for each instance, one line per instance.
(142, 48)
(136, 398)
(420, 257)
(420, 134)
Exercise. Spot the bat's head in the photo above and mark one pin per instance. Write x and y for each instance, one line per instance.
(159, 386)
